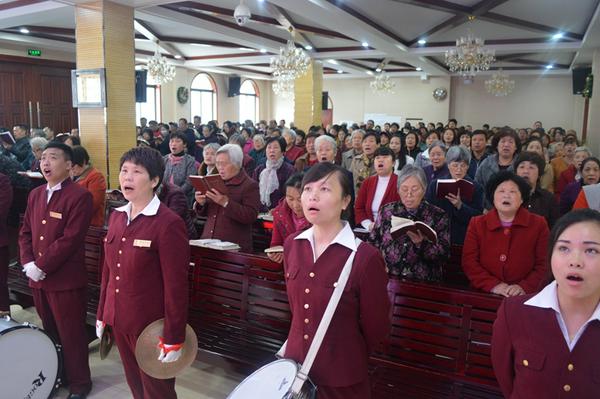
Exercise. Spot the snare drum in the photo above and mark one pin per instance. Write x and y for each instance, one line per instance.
(31, 361)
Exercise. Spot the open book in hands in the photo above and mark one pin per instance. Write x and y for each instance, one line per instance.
(7, 137)
(452, 186)
(401, 225)
(202, 184)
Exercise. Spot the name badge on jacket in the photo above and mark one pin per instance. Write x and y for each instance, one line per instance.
(142, 243)
(55, 215)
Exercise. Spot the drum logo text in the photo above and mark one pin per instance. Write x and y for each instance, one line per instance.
(36, 384)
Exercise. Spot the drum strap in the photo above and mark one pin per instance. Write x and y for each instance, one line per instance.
(302, 375)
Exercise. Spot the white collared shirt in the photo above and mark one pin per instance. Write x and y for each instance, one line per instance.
(51, 190)
(345, 237)
(150, 210)
(548, 299)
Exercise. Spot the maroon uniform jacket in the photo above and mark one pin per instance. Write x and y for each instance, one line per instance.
(532, 360)
(234, 223)
(145, 274)
(361, 319)
(364, 201)
(6, 197)
(514, 255)
(53, 235)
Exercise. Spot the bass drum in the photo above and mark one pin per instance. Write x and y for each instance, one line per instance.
(31, 361)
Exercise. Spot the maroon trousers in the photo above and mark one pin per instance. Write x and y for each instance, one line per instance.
(141, 384)
(362, 390)
(4, 303)
(63, 316)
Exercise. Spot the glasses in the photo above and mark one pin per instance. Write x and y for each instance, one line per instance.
(410, 190)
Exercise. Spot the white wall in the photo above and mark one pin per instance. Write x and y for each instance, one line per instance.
(548, 99)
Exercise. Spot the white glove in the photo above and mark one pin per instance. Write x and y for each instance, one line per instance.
(100, 328)
(169, 353)
(34, 272)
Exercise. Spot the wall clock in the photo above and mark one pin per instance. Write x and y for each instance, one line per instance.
(440, 94)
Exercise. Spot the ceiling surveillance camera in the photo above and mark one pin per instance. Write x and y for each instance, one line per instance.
(242, 14)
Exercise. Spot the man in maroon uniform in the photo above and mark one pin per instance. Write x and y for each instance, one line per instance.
(52, 254)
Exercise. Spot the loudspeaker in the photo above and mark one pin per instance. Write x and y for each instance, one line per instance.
(234, 86)
(140, 86)
(579, 75)
(325, 100)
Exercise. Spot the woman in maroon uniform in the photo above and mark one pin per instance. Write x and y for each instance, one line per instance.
(313, 261)
(145, 272)
(546, 345)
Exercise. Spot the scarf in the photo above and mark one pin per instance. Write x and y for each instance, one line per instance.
(268, 181)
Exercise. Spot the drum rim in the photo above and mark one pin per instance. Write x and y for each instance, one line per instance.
(263, 367)
(59, 354)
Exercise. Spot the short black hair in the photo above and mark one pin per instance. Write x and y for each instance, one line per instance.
(532, 157)
(589, 159)
(68, 151)
(501, 177)
(279, 140)
(80, 156)
(395, 124)
(178, 135)
(149, 158)
(384, 152)
(371, 133)
(566, 221)
(325, 169)
(506, 132)
(74, 139)
(453, 120)
(295, 181)
(22, 126)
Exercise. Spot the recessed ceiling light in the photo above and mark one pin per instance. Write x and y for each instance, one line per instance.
(334, 62)
(419, 69)
(309, 47)
(340, 71)
(24, 30)
(177, 56)
(365, 44)
(247, 49)
(378, 70)
(422, 41)
(557, 36)
(201, 45)
(549, 66)
(369, 72)
(263, 50)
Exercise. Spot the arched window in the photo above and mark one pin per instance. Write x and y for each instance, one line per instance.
(151, 108)
(203, 97)
(249, 101)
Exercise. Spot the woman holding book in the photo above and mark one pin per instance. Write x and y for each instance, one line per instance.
(505, 249)
(546, 345)
(411, 255)
(377, 190)
(288, 216)
(313, 261)
(459, 208)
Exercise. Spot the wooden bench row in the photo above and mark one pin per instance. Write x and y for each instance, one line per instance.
(439, 345)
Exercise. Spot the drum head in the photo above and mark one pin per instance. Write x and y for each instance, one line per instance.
(272, 381)
(30, 363)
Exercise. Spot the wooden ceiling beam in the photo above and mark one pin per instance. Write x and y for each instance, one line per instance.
(285, 20)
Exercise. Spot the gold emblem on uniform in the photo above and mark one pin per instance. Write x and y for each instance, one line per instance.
(55, 215)
(142, 243)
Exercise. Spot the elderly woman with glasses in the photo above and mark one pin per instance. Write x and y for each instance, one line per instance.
(459, 209)
(412, 255)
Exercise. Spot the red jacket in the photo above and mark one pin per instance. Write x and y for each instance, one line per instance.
(293, 153)
(566, 177)
(95, 182)
(145, 275)
(283, 224)
(493, 254)
(532, 360)
(361, 319)
(364, 200)
(6, 197)
(52, 235)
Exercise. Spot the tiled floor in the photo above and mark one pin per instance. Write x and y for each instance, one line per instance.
(200, 381)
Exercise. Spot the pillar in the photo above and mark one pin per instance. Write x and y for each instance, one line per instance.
(593, 130)
(105, 39)
(308, 91)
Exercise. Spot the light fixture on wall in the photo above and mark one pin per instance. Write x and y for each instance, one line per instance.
(291, 64)
(159, 68)
(469, 56)
(500, 84)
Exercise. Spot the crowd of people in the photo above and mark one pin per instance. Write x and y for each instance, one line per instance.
(317, 186)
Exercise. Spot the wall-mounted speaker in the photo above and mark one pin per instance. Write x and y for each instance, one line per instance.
(140, 86)
(579, 76)
(325, 100)
(234, 86)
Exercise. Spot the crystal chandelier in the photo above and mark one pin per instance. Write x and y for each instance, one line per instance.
(291, 63)
(159, 68)
(469, 56)
(500, 85)
(283, 88)
(382, 84)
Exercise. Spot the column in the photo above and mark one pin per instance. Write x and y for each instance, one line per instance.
(308, 91)
(105, 39)
(593, 130)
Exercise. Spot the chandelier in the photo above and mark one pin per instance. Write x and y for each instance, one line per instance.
(382, 84)
(159, 68)
(469, 56)
(500, 85)
(284, 88)
(291, 64)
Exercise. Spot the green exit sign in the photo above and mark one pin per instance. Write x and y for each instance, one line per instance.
(34, 52)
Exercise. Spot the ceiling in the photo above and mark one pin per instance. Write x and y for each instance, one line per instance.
(351, 37)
